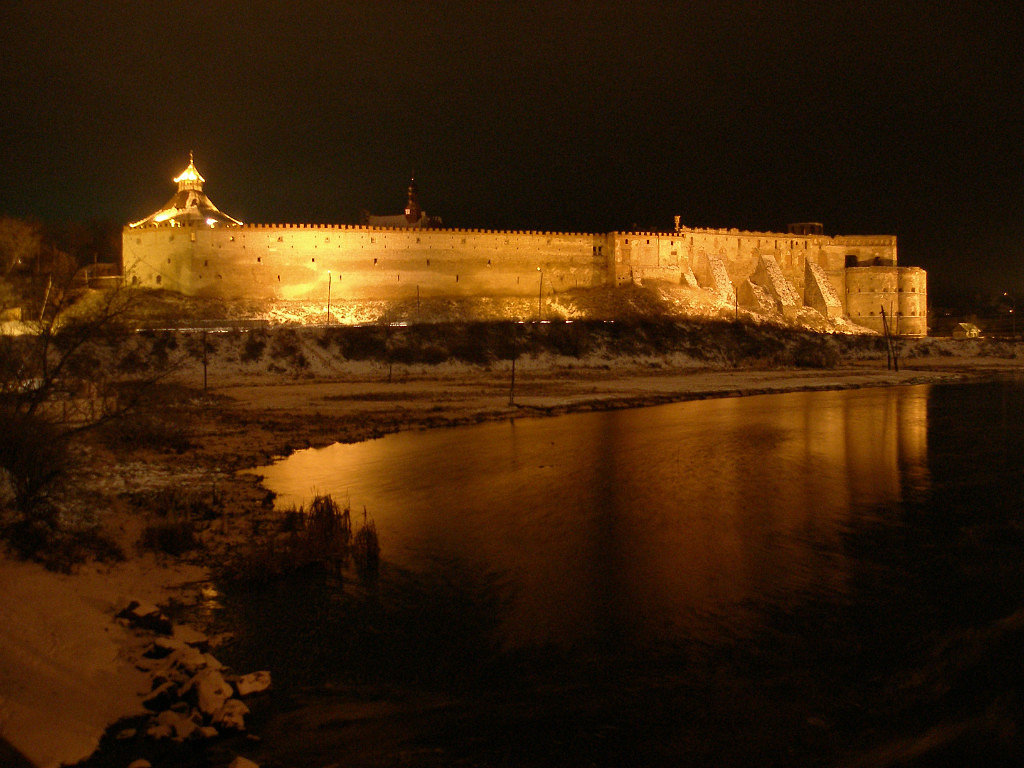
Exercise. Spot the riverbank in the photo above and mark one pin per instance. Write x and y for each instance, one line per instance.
(241, 421)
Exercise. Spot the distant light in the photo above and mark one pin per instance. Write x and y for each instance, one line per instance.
(211, 222)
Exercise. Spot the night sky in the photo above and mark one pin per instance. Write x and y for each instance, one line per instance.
(900, 118)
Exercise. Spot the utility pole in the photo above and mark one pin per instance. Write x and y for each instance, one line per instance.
(514, 355)
(891, 361)
(512, 384)
(540, 296)
(328, 297)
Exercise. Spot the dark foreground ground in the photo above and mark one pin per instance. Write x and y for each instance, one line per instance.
(406, 673)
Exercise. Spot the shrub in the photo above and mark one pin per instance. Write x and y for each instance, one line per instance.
(253, 348)
(174, 536)
(328, 531)
(33, 455)
(40, 538)
(363, 343)
(319, 538)
(366, 550)
(285, 348)
(172, 503)
(815, 353)
(147, 430)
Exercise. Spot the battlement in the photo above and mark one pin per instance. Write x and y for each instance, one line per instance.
(415, 232)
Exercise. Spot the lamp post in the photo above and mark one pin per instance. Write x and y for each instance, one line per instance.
(540, 296)
(1013, 314)
(328, 297)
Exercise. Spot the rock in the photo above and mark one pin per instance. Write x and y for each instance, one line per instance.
(146, 616)
(161, 698)
(159, 680)
(157, 651)
(127, 733)
(159, 731)
(140, 763)
(232, 715)
(213, 661)
(191, 636)
(242, 762)
(168, 644)
(224, 637)
(181, 726)
(254, 682)
(190, 659)
(211, 690)
(207, 732)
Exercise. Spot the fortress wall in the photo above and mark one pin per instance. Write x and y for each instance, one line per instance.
(739, 250)
(648, 256)
(863, 251)
(912, 291)
(901, 291)
(868, 291)
(158, 258)
(279, 261)
(293, 261)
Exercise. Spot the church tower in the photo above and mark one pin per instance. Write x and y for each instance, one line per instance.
(413, 212)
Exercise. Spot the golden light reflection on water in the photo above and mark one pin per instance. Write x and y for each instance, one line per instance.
(641, 523)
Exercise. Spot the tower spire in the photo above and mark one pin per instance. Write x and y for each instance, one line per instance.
(190, 178)
(413, 212)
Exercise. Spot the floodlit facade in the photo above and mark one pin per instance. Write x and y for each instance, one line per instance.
(191, 247)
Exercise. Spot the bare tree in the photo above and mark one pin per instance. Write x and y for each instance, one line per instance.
(74, 366)
(21, 243)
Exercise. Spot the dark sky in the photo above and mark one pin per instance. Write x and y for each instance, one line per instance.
(900, 118)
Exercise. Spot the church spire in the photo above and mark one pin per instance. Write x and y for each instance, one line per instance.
(413, 212)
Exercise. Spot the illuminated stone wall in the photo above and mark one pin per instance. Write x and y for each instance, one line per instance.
(293, 262)
(646, 255)
(900, 291)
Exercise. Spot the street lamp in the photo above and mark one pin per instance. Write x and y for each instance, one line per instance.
(328, 297)
(540, 295)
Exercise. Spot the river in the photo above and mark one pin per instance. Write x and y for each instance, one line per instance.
(784, 559)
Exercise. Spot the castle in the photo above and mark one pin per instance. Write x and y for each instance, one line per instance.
(191, 247)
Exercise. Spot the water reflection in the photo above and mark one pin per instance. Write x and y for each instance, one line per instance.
(632, 526)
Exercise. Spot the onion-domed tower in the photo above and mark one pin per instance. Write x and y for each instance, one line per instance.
(190, 205)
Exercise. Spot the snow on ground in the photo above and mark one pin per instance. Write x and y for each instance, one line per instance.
(65, 671)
